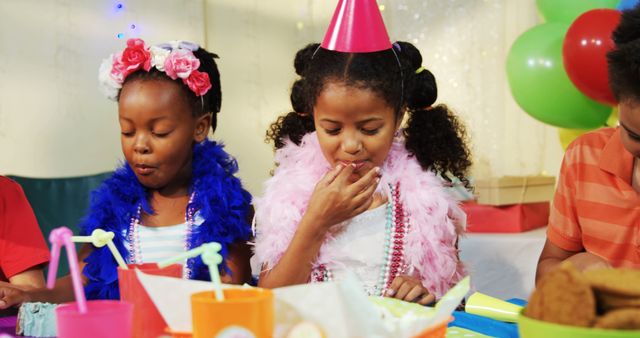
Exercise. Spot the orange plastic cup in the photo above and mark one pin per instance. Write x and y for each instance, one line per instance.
(242, 311)
(147, 321)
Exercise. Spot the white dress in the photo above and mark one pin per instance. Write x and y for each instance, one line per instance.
(358, 246)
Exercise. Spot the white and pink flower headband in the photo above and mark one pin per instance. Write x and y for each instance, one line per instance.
(175, 58)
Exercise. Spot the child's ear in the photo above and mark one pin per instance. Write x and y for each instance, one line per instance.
(203, 123)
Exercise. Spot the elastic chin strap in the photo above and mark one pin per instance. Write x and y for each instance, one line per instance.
(393, 49)
(315, 52)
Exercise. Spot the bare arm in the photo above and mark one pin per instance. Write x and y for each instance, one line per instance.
(295, 265)
(552, 255)
(62, 292)
(238, 263)
(29, 279)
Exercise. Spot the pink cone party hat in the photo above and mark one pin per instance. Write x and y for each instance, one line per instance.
(356, 27)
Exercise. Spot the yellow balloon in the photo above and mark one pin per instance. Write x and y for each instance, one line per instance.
(568, 135)
(613, 118)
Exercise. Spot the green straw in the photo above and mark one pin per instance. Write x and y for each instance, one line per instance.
(100, 238)
(210, 253)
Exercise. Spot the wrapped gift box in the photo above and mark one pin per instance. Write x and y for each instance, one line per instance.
(508, 190)
(509, 218)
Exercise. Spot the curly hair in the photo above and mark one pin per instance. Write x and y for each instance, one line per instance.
(433, 134)
(209, 103)
(624, 59)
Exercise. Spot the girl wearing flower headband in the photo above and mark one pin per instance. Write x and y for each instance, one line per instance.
(354, 190)
(177, 189)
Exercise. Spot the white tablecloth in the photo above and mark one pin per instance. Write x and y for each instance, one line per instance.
(503, 265)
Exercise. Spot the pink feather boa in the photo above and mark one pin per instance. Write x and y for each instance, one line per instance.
(435, 217)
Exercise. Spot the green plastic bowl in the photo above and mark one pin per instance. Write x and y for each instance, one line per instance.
(531, 328)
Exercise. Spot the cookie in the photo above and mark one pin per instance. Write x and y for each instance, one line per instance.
(621, 319)
(563, 296)
(620, 282)
(608, 301)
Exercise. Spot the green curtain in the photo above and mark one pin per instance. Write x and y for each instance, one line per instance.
(59, 202)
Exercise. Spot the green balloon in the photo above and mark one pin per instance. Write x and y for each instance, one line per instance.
(568, 10)
(541, 86)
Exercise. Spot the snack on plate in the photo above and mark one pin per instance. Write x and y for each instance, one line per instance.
(609, 302)
(563, 297)
(621, 282)
(600, 298)
(621, 319)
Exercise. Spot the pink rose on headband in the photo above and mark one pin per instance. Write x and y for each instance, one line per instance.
(180, 63)
(118, 69)
(135, 56)
(198, 82)
(176, 59)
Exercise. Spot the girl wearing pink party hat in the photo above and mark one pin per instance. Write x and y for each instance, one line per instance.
(355, 188)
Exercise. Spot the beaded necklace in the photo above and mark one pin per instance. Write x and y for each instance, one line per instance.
(135, 253)
(395, 228)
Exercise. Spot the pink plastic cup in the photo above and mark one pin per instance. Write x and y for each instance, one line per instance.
(80, 319)
(103, 319)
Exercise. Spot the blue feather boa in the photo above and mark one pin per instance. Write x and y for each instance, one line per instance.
(219, 198)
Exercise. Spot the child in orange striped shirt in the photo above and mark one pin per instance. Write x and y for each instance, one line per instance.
(595, 213)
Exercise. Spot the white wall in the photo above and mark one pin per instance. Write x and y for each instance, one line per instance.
(256, 51)
(54, 122)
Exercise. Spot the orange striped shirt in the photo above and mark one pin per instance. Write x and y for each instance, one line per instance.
(595, 208)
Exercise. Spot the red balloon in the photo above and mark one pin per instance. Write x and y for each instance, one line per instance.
(584, 53)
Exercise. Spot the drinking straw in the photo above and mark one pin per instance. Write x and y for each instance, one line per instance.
(59, 237)
(210, 253)
(211, 256)
(100, 238)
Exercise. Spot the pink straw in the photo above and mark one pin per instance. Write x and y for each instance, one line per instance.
(53, 264)
(59, 237)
